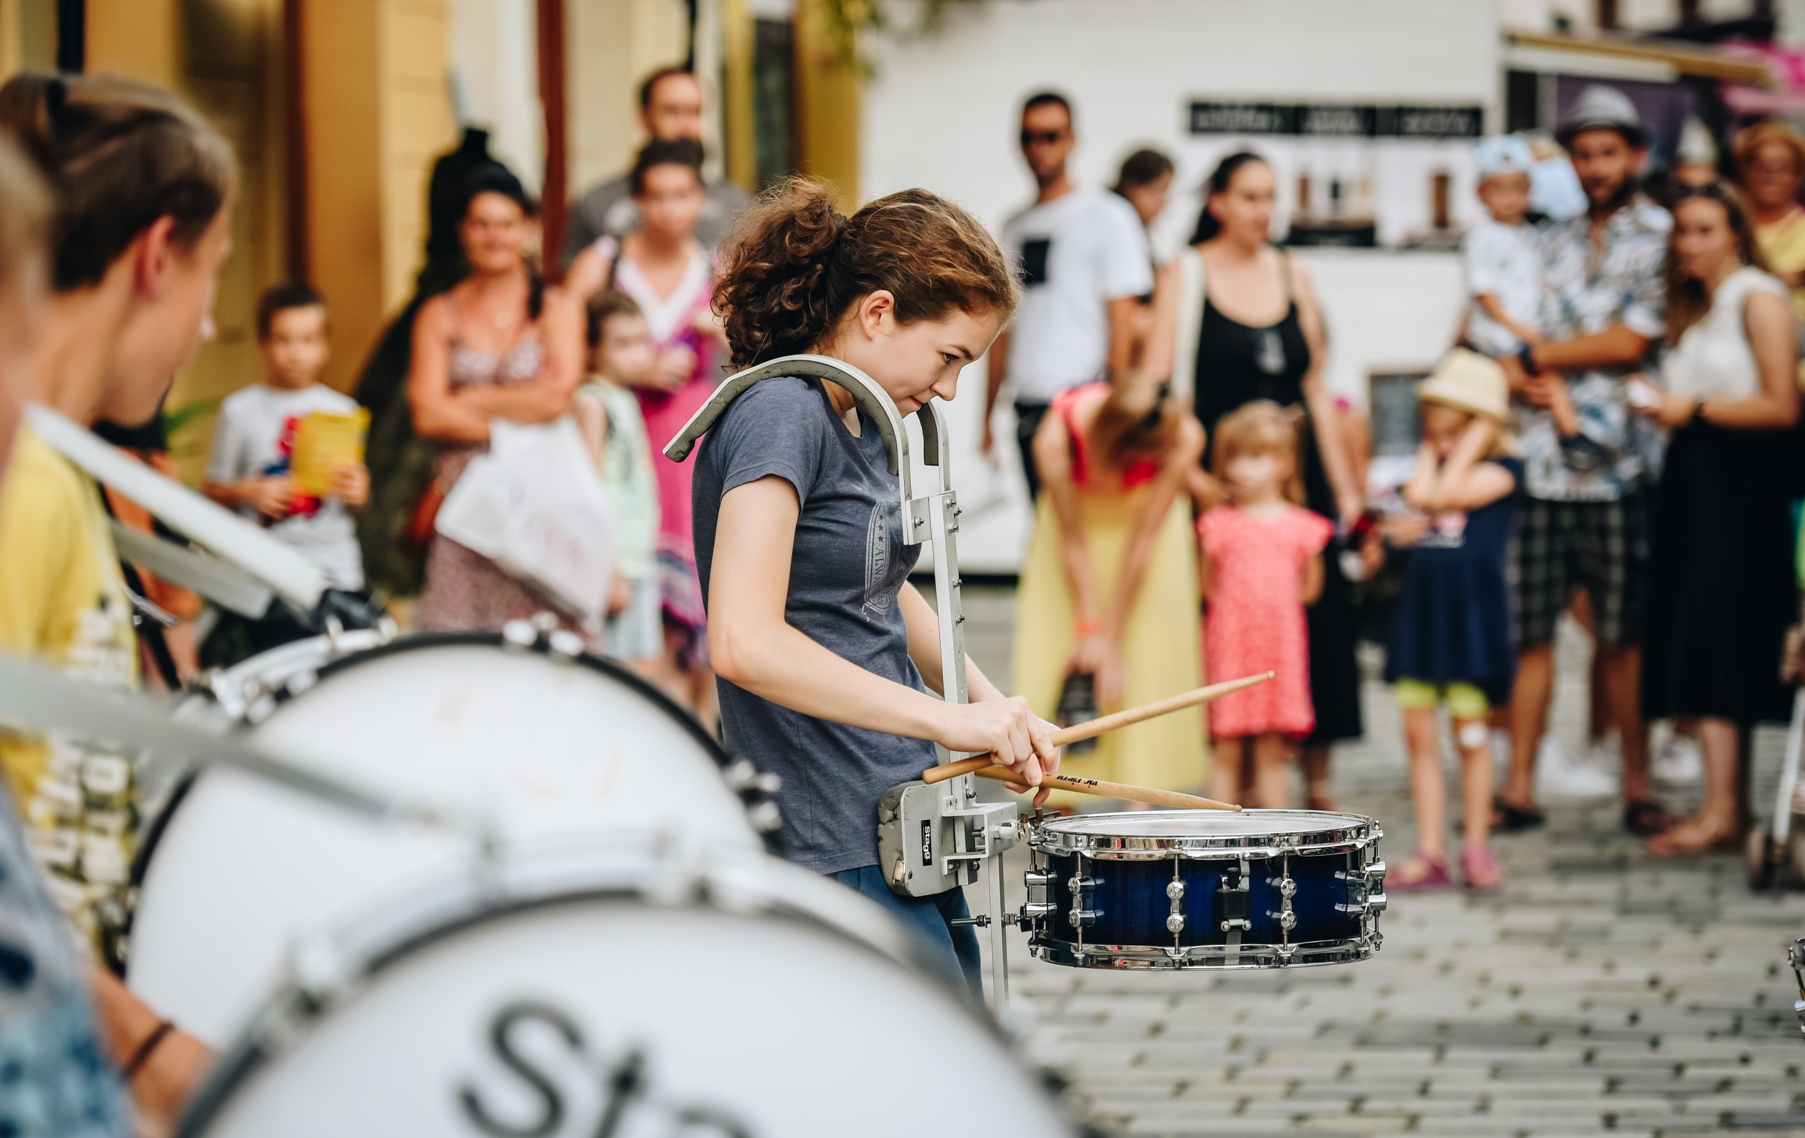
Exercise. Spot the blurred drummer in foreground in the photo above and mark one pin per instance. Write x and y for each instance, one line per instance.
(142, 190)
(825, 652)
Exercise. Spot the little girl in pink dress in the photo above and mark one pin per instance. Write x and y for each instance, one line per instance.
(1262, 563)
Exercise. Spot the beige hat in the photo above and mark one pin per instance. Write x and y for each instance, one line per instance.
(1468, 381)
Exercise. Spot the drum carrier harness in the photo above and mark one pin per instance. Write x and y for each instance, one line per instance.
(930, 838)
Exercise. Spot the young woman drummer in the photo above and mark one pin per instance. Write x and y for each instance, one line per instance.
(825, 652)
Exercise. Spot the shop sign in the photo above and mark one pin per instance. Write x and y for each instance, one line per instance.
(1337, 120)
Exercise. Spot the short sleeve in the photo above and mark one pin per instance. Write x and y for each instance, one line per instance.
(1212, 529)
(37, 514)
(1314, 531)
(222, 460)
(778, 427)
(1487, 260)
(1127, 266)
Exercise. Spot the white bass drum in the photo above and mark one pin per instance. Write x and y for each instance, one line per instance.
(539, 740)
(621, 994)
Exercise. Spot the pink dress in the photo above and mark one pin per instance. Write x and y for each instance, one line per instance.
(1255, 620)
(669, 319)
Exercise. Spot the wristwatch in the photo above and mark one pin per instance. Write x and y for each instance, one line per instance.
(1526, 356)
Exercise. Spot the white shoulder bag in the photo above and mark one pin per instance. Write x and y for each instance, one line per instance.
(535, 505)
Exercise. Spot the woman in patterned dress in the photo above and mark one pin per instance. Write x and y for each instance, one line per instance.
(500, 345)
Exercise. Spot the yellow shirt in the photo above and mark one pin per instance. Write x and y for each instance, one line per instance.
(63, 602)
(1783, 244)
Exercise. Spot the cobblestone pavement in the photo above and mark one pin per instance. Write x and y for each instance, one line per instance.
(1600, 991)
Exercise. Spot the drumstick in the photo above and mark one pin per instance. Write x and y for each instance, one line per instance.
(1110, 789)
(1094, 727)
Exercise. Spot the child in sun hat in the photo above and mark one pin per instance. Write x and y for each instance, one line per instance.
(1503, 260)
(1451, 641)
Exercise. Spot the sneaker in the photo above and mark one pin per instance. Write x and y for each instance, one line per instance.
(1679, 763)
(1559, 777)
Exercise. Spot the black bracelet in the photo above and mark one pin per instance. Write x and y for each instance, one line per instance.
(1526, 356)
(143, 1054)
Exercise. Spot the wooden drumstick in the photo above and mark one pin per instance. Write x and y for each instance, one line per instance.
(1094, 727)
(1110, 789)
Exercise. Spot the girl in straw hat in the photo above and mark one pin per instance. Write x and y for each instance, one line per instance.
(1450, 643)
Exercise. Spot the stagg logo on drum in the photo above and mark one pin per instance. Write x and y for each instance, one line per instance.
(629, 1100)
(927, 841)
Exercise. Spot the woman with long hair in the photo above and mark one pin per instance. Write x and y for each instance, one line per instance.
(670, 275)
(501, 344)
(1109, 589)
(825, 652)
(1722, 590)
(1235, 320)
(142, 190)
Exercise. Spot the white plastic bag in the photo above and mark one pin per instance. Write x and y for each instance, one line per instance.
(536, 507)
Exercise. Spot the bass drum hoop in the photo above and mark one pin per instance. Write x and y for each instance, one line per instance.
(290, 1015)
(152, 834)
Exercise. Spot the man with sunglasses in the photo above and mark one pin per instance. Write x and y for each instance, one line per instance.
(1082, 257)
(1585, 523)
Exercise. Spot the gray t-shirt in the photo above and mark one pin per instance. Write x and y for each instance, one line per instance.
(846, 567)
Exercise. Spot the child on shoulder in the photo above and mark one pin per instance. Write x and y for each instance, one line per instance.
(607, 412)
(254, 438)
(1503, 258)
(1262, 564)
(1450, 640)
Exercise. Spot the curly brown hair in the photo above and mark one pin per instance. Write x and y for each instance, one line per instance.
(793, 266)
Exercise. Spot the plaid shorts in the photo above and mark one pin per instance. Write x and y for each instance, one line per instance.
(1601, 547)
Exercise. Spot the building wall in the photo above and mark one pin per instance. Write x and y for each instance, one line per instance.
(940, 111)
(610, 45)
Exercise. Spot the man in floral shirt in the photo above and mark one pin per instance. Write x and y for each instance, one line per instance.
(1587, 459)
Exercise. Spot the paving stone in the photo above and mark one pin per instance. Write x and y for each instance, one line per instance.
(1599, 994)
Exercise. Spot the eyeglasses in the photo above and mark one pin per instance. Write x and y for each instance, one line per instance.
(1041, 137)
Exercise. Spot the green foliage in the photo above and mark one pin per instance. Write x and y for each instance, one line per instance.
(845, 19)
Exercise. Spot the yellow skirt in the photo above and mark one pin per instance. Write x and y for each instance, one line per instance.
(1162, 647)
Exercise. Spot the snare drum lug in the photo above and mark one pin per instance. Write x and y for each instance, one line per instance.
(1175, 889)
(1083, 918)
(1175, 923)
(1287, 920)
(1375, 903)
(565, 643)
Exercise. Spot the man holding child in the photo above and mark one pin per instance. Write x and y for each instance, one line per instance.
(1585, 521)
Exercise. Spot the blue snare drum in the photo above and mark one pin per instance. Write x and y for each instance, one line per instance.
(1205, 889)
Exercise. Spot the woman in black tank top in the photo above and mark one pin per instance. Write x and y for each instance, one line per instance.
(1236, 363)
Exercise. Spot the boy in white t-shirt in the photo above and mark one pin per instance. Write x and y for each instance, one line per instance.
(1503, 255)
(254, 439)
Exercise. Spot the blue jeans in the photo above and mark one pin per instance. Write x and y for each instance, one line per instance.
(951, 951)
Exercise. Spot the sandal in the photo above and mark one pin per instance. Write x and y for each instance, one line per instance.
(1647, 818)
(1692, 838)
(1420, 873)
(1479, 870)
(1511, 818)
